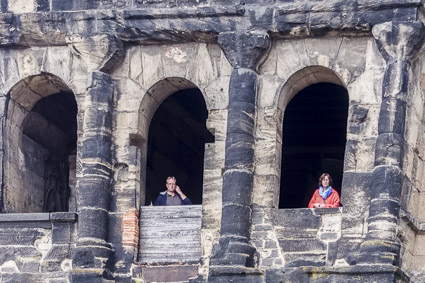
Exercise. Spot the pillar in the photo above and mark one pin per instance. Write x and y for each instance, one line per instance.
(398, 42)
(243, 50)
(92, 250)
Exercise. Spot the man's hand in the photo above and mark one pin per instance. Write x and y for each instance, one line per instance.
(181, 194)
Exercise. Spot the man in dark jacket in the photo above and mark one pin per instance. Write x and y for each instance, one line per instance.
(173, 195)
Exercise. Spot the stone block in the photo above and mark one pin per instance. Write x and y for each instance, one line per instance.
(270, 244)
(238, 224)
(386, 181)
(20, 6)
(297, 223)
(357, 155)
(304, 259)
(169, 273)
(331, 228)
(20, 237)
(302, 245)
(59, 5)
(419, 246)
(62, 233)
(389, 149)
(91, 223)
(232, 182)
(268, 90)
(391, 116)
(216, 94)
(202, 76)
(356, 190)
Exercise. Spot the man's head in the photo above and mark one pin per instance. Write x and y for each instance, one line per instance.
(170, 183)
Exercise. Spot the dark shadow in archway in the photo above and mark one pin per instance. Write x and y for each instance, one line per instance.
(314, 137)
(49, 140)
(177, 137)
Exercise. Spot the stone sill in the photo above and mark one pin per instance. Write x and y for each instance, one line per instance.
(358, 269)
(38, 217)
(315, 211)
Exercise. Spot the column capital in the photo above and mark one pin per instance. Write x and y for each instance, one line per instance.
(100, 52)
(399, 41)
(244, 49)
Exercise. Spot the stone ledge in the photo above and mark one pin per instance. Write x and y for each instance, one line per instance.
(39, 217)
(355, 273)
(232, 270)
(203, 24)
(412, 222)
(357, 269)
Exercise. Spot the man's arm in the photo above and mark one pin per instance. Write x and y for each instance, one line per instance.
(184, 198)
(160, 201)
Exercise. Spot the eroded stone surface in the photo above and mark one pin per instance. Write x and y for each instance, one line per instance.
(151, 49)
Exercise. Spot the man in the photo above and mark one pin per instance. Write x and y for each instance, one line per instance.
(173, 195)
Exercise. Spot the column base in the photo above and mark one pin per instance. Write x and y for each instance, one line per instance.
(233, 251)
(378, 252)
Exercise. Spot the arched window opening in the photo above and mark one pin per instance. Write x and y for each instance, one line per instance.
(314, 137)
(47, 138)
(176, 143)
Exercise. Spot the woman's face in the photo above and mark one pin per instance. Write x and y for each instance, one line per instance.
(325, 181)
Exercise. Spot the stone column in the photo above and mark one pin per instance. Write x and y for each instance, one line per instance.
(243, 50)
(93, 191)
(398, 42)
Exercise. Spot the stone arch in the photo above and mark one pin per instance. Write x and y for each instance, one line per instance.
(40, 145)
(305, 153)
(160, 93)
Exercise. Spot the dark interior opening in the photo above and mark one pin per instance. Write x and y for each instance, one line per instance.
(314, 137)
(177, 137)
(49, 144)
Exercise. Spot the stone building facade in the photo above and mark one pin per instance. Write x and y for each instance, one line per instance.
(101, 100)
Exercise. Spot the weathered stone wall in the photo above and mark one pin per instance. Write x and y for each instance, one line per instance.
(290, 67)
(36, 247)
(411, 226)
(122, 59)
(148, 75)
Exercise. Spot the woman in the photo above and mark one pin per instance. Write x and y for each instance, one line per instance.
(325, 195)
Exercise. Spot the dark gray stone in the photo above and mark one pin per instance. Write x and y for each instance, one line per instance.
(239, 223)
(389, 146)
(304, 259)
(395, 89)
(297, 221)
(19, 236)
(358, 116)
(24, 217)
(92, 223)
(43, 6)
(241, 180)
(59, 5)
(62, 233)
(63, 217)
(244, 49)
(86, 277)
(386, 180)
(301, 245)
